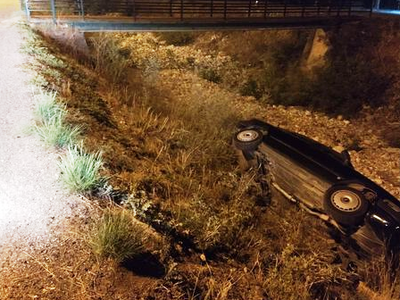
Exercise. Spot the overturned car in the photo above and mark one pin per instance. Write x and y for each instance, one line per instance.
(323, 182)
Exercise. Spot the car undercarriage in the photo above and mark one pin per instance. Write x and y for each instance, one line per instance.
(323, 183)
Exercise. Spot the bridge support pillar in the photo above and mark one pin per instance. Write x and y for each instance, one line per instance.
(314, 54)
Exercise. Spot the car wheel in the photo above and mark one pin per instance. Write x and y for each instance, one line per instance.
(248, 139)
(345, 205)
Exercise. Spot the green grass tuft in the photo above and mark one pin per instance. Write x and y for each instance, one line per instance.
(117, 236)
(50, 124)
(46, 106)
(54, 132)
(80, 170)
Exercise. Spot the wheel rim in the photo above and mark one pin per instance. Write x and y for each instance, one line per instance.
(247, 135)
(346, 201)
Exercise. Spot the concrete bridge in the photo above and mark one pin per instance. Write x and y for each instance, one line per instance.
(153, 15)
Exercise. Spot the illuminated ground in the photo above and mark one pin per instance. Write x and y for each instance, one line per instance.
(31, 198)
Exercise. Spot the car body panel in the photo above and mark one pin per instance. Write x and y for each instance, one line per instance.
(295, 179)
(305, 169)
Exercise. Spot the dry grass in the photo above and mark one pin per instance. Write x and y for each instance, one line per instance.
(66, 268)
(117, 235)
(186, 172)
(380, 281)
(167, 153)
(108, 59)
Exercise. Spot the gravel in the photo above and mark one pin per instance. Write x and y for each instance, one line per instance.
(32, 201)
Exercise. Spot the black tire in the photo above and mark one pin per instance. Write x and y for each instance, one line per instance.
(345, 205)
(247, 139)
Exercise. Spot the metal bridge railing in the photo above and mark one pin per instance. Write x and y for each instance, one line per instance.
(196, 9)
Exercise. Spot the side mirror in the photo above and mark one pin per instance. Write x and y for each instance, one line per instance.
(346, 158)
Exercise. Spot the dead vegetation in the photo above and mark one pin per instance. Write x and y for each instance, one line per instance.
(165, 135)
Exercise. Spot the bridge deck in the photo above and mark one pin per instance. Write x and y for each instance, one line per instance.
(194, 14)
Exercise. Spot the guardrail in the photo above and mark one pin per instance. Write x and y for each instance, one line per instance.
(186, 10)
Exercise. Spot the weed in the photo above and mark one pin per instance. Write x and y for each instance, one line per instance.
(295, 276)
(80, 170)
(151, 70)
(218, 226)
(51, 60)
(218, 290)
(108, 58)
(380, 279)
(117, 235)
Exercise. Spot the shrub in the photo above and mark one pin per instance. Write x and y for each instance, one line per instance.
(177, 38)
(80, 170)
(251, 88)
(355, 76)
(391, 134)
(210, 74)
(346, 84)
(282, 77)
(116, 235)
(292, 88)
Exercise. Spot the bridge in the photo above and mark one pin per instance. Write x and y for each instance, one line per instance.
(153, 15)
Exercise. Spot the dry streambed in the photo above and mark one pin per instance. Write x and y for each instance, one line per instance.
(370, 153)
